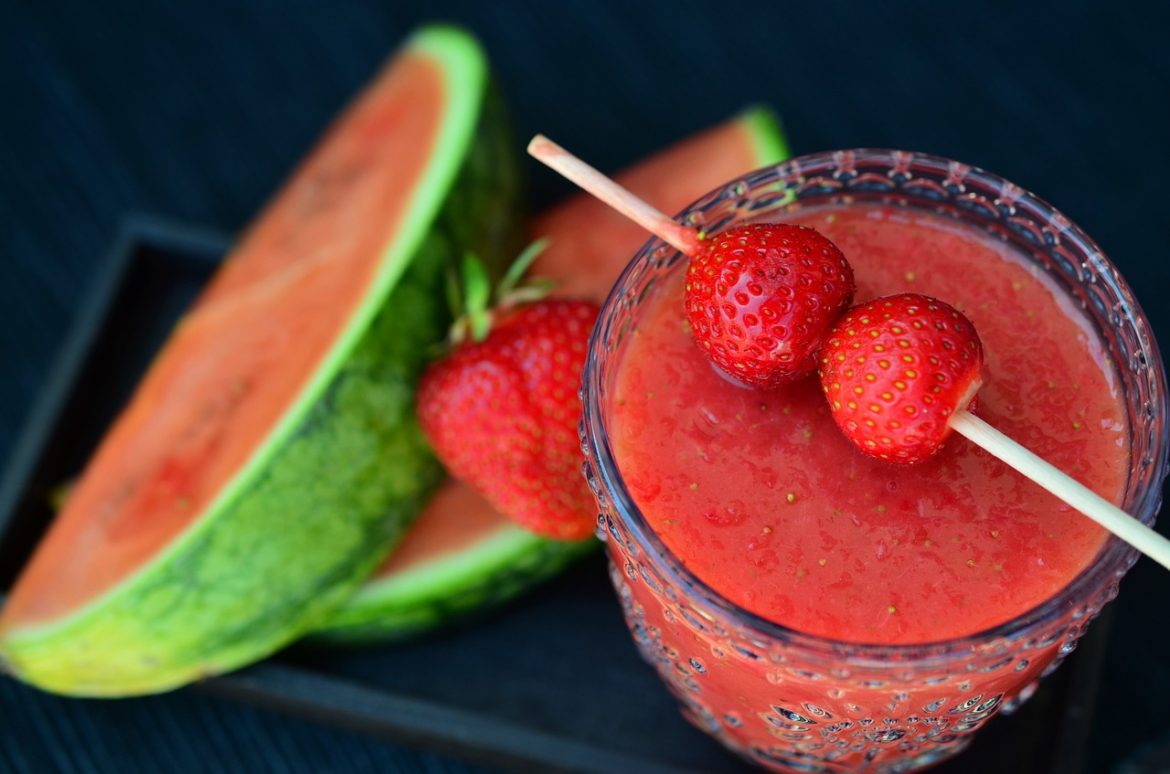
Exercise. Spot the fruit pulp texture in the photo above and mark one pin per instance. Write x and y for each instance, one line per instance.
(762, 498)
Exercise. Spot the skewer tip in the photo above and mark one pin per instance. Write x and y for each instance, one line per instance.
(539, 144)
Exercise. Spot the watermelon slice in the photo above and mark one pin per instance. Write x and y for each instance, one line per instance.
(461, 556)
(245, 490)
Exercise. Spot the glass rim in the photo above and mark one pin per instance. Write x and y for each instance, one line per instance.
(1112, 561)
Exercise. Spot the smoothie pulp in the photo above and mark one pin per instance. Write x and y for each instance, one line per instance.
(760, 495)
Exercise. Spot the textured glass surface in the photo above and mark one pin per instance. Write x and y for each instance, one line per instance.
(795, 702)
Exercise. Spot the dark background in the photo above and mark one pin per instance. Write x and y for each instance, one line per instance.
(197, 111)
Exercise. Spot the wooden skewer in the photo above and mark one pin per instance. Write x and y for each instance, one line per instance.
(678, 236)
(1063, 486)
(686, 241)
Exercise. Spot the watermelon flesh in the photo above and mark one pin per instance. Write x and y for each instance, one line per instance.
(461, 556)
(243, 493)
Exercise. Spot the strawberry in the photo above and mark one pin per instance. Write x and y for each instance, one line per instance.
(501, 414)
(760, 298)
(895, 369)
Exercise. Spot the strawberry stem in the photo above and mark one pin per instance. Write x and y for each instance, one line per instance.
(526, 294)
(521, 265)
(477, 293)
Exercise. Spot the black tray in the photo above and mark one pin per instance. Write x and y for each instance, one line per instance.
(551, 683)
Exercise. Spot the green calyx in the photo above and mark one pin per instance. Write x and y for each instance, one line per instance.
(474, 302)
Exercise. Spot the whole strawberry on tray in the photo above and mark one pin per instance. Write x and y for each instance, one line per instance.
(501, 408)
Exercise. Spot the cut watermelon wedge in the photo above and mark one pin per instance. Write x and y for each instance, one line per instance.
(461, 556)
(270, 457)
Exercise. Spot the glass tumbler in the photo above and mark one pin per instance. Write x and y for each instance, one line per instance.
(795, 702)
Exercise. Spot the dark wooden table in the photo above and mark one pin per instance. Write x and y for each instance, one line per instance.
(197, 110)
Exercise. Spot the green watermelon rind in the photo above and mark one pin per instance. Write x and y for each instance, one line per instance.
(506, 563)
(332, 487)
(487, 574)
(767, 135)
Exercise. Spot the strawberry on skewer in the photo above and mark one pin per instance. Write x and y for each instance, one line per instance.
(939, 393)
(895, 370)
(900, 373)
(759, 298)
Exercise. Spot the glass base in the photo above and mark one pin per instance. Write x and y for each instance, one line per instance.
(791, 761)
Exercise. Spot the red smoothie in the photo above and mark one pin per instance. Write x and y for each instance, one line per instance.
(762, 498)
